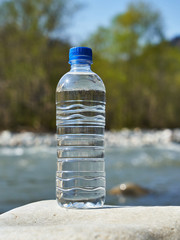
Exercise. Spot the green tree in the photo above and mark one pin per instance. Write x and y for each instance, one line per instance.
(139, 68)
(158, 78)
(40, 16)
(28, 62)
(128, 32)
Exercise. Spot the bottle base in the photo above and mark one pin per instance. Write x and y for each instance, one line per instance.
(81, 204)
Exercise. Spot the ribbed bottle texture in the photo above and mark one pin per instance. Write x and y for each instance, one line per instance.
(80, 120)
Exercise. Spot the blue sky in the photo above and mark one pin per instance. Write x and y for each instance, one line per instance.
(100, 12)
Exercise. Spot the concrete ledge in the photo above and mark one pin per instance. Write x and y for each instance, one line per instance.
(46, 220)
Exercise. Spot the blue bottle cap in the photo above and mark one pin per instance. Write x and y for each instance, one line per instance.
(80, 53)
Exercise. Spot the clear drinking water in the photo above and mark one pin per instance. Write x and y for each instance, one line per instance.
(80, 120)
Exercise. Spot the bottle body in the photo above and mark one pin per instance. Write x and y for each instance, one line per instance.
(80, 120)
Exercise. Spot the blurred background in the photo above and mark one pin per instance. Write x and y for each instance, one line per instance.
(136, 46)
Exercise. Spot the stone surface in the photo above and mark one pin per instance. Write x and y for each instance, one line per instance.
(46, 220)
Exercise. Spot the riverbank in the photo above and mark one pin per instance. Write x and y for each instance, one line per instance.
(124, 137)
(46, 220)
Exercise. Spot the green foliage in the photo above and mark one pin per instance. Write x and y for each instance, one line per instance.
(139, 67)
(41, 16)
(128, 33)
(30, 63)
(140, 70)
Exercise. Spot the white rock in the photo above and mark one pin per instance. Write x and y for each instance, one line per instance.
(46, 220)
(5, 137)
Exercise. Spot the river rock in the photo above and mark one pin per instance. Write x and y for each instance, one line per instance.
(129, 190)
(46, 220)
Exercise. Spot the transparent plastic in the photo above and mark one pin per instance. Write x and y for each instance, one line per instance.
(80, 121)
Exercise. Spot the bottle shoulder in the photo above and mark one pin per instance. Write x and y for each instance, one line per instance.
(80, 81)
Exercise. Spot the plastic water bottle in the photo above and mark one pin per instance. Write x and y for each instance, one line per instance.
(80, 120)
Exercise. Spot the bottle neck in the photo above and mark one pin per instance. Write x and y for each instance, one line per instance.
(80, 66)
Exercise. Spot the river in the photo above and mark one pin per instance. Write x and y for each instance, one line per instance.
(150, 159)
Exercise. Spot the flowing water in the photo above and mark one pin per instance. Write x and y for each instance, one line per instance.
(150, 159)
